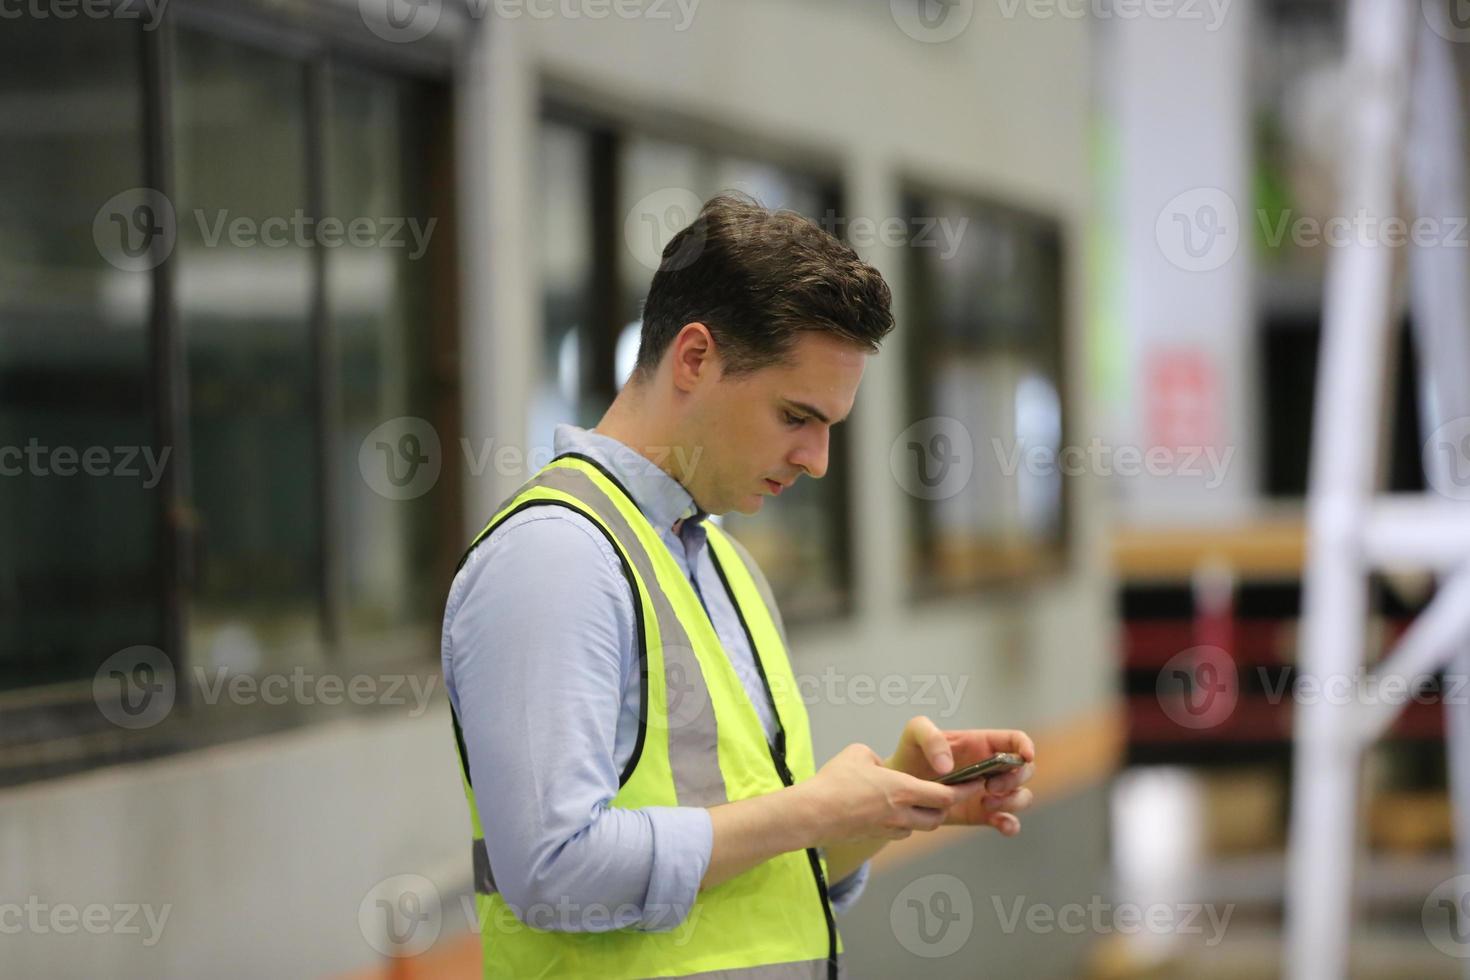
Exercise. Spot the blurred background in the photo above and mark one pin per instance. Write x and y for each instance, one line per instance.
(293, 292)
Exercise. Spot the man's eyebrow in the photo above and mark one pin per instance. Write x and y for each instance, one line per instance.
(813, 411)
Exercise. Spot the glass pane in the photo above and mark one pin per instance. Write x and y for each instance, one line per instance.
(377, 296)
(987, 363)
(79, 473)
(244, 299)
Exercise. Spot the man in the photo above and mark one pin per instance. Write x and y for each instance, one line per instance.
(636, 757)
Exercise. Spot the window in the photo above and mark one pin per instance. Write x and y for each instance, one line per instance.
(982, 460)
(198, 358)
(604, 187)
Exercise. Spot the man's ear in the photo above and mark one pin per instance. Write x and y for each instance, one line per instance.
(694, 356)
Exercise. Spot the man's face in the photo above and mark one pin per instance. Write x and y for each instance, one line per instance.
(762, 431)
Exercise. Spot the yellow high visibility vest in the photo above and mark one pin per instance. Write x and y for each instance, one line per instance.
(700, 743)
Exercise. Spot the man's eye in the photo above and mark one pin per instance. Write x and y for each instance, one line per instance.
(793, 420)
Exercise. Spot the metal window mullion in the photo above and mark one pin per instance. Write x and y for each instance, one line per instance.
(331, 587)
(177, 518)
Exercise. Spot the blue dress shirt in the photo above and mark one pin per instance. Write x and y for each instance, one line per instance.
(540, 663)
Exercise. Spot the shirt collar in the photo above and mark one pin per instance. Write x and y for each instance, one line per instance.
(661, 498)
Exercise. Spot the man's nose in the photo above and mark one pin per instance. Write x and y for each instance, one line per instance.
(811, 453)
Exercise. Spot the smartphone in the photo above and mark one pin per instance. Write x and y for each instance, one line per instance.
(998, 763)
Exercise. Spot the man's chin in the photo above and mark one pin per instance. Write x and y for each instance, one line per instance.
(750, 504)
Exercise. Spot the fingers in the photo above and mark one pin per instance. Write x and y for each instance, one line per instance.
(927, 793)
(1012, 740)
(1009, 782)
(1007, 823)
(1015, 802)
(931, 739)
(923, 818)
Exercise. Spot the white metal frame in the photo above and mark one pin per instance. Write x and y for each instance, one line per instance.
(1353, 530)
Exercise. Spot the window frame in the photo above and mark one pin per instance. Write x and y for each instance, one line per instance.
(324, 40)
(1050, 558)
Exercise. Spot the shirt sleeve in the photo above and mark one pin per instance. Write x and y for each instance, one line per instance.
(538, 655)
(845, 893)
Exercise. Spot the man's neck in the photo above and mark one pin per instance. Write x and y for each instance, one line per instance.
(626, 420)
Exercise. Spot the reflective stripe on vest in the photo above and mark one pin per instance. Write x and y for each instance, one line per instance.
(700, 743)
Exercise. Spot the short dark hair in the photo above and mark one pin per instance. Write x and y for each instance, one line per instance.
(757, 278)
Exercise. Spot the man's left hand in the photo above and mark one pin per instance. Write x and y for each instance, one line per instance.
(927, 751)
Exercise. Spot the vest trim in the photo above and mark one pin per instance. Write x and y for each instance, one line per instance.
(642, 640)
(778, 756)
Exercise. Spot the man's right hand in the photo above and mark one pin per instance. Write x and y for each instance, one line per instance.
(856, 797)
